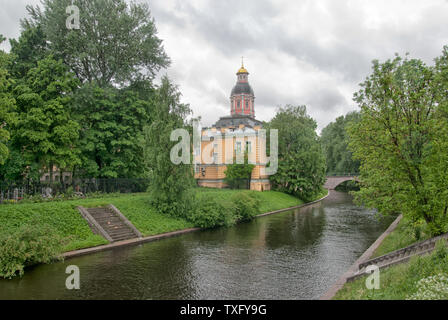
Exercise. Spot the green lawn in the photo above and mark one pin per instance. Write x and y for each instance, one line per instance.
(269, 200)
(423, 278)
(63, 217)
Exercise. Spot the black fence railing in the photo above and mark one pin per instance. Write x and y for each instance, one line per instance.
(18, 190)
(239, 184)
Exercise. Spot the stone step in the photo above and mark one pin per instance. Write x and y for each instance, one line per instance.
(118, 230)
(97, 210)
(102, 215)
(109, 220)
(113, 225)
(122, 236)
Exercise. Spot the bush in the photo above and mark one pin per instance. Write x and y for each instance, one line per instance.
(247, 206)
(28, 245)
(209, 213)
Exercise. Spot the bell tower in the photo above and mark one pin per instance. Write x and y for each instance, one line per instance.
(242, 97)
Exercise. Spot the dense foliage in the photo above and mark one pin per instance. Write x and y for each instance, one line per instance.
(211, 211)
(116, 42)
(111, 135)
(238, 175)
(301, 164)
(28, 245)
(402, 140)
(171, 183)
(45, 131)
(83, 96)
(7, 105)
(334, 139)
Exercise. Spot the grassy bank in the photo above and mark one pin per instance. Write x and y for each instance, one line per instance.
(423, 278)
(66, 221)
(420, 278)
(269, 200)
(404, 235)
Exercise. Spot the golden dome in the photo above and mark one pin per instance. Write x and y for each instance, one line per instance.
(242, 70)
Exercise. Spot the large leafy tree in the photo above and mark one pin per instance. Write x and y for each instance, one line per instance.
(301, 164)
(111, 137)
(7, 105)
(402, 142)
(30, 48)
(115, 54)
(115, 44)
(335, 146)
(170, 183)
(45, 132)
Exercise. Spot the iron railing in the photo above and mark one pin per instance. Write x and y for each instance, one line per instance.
(18, 190)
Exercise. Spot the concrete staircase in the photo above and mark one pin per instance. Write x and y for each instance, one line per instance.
(398, 256)
(110, 223)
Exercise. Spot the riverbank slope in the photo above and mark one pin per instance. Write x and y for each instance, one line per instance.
(423, 277)
(65, 220)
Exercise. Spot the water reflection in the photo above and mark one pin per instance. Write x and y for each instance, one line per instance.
(292, 255)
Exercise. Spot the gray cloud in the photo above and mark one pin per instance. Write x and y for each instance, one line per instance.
(298, 52)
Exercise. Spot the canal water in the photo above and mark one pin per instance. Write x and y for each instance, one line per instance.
(293, 255)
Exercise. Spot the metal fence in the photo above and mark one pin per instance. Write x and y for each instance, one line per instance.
(18, 190)
(239, 184)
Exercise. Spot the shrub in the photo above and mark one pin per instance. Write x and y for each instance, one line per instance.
(247, 206)
(210, 213)
(28, 245)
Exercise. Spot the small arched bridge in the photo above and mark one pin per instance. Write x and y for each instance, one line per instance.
(334, 181)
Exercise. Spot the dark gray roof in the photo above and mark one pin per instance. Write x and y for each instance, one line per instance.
(236, 121)
(242, 87)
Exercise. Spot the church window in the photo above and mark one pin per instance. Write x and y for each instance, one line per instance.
(238, 147)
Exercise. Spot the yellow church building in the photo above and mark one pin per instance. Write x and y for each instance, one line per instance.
(232, 136)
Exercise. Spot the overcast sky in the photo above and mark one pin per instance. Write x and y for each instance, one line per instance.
(312, 52)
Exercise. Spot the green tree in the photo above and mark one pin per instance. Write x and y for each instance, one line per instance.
(335, 146)
(401, 141)
(301, 164)
(30, 48)
(170, 183)
(7, 105)
(111, 136)
(45, 132)
(116, 42)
